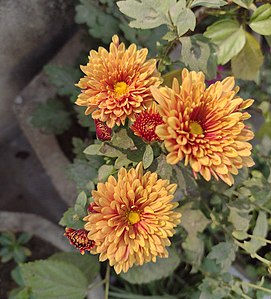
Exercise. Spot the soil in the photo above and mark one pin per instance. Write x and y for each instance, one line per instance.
(40, 250)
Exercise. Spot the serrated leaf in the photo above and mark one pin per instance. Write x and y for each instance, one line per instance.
(261, 20)
(163, 168)
(243, 3)
(260, 230)
(153, 271)
(214, 289)
(87, 263)
(208, 3)
(81, 199)
(247, 63)
(193, 246)
(64, 78)
(51, 117)
(239, 218)
(54, 280)
(229, 36)
(122, 140)
(147, 14)
(91, 14)
(197, 54)
(224, 254)
(147, 157)
(193, 221)
(83, 172)
(84, 120)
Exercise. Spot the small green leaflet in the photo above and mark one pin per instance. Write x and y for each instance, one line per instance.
(229, 36)
(147, 157)
(260, 21)
(153, 271)
(208, 3)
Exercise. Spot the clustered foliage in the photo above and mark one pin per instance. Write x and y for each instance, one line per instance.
(221, 249)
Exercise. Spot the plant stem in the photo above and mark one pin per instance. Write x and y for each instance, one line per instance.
(259, 238)
(107, 281)
(246, 296)
(262, 208)
(254, 286)
(96, 285)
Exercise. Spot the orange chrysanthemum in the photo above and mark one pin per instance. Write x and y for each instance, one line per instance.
(79, 239)
(205, 126)
(133, 218)
(117, 83)
(146, 123)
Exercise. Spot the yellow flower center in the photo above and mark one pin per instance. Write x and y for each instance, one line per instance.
(120, 88)
(195, 128)
(133, 217)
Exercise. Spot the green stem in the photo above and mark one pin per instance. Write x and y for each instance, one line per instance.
(254, 286)
(107, 282)
(246, 296)
(96, 285)
(262, 208)
(259, 238)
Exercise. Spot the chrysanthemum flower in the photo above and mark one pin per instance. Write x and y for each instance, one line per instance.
(146, 123)
(79, 239)
(133, 218)
(117, 83)
(103, 132)
(205, 126)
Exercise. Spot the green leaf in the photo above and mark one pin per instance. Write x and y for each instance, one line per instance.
(198, 54)
(147, 157)
(64, 78)
(20, 293)
(122, 140)
(24, 238)
(168, 77)
(229, 36)
(260, 230)
(17, 276)
(260, 21)
(7, 238)
(243, 3)
(147, 14)
(54, 280)
(224, 254)
(163, 168)
(87, 263)
(240, 218)
(183, 18)
(85, 120)
(247, 63)
(82, 172)
(93, 149)
(208, 3)
(81, 199)
(95, 17)
(51, 117)
(153, 271)
(213, 289)
(71, 219)
(104, 172)
(193, 246)
(19, 255)
(193, 221)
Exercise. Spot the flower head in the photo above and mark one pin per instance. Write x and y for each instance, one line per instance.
(103, 132)
(133, 218)
(205, 126)
(146, 123)
(79, 239)
(117, 83)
